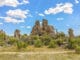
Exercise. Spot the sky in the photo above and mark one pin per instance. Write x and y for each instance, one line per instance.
(22, 14)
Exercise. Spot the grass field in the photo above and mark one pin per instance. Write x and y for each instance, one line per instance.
(30, 49)
(53, 55)
(69, 56)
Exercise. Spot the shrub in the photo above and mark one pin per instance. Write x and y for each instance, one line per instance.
(78, 41)
(21, 44)
(60, 41)
(71, 44)
(77, 49)
(52, 44)
(46, 39)
(38, 43)
(12, 40)
(2, 43)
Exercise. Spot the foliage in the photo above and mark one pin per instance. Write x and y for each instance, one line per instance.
(12, 40)
(60, 38)
(46, 39)
(35, 37)
(32, 39)
(60, 41)
(2, 36)
(24, 37)
(21, 44)
(77, 49)
(77, 41)
(52, 44)
(2, 43)
(71, 44)
(38, 43)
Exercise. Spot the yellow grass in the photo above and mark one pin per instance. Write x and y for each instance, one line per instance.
(30, 49)
(40, 57)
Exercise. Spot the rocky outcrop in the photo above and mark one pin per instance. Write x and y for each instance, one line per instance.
(44, 28)
(71, 34)
(36, 29)
(17, 34)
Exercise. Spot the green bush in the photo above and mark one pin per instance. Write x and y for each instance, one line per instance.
(52, 44)
(2, 43)
(21, 44)
(38, 43)
(77, 49)
(77, 41)
(45, 39)
(60, 41)
(12, 40)
(72, 44)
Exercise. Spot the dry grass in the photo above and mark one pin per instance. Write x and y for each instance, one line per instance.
(30, 49)
(66, 56)
(40, 57)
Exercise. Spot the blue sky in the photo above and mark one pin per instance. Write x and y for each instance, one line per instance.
(22, 14)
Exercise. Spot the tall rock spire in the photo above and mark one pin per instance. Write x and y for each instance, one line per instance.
(17, 34)
(36, 29)
(42, 29)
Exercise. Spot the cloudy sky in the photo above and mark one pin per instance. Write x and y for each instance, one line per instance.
(22, 14)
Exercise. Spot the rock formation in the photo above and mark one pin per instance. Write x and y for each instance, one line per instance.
(17, 34)
(42, 29)
(71, 34)
(36, 29)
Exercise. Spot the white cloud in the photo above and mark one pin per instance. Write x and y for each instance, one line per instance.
(13, 3)
(40, 14)
(18, 13)
(66, 8)
(16, 16)
(59, 4)
(76, 1)
(12, 20)
(60, 19)
(25, 2)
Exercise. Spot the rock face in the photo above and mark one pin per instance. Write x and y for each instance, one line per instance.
(71, 34)
(36, 29)
(17, 34)
(44, 28)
